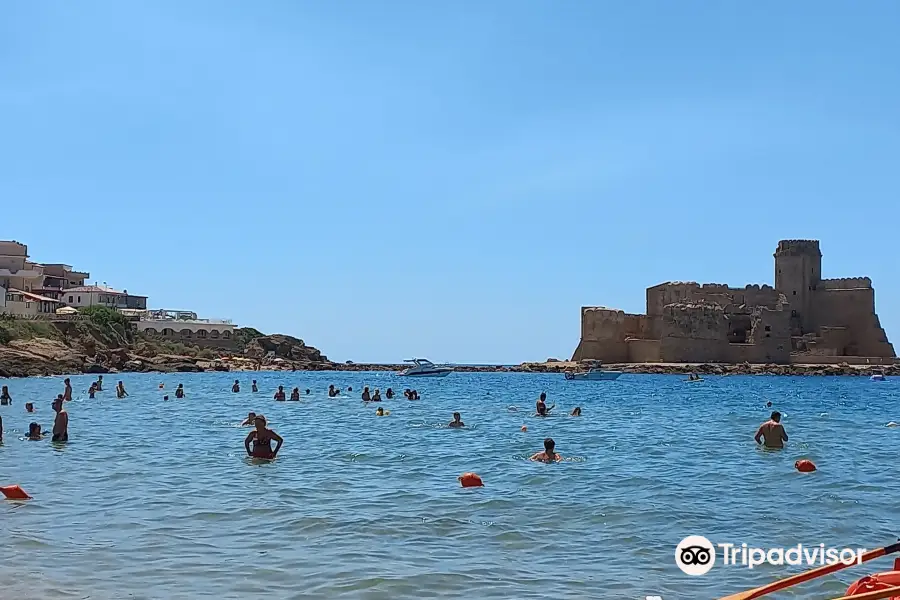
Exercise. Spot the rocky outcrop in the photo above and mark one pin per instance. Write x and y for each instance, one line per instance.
(284, 347)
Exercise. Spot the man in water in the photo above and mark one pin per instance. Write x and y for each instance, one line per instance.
(541, 405)
(366, 397)
(456, 422)
(99, 383)
(92, 391)
(549, 454)
(253, 387)
(771, 433)
(279, 395)
(61, 423)
(67, 394)
(262, 440)
(120, 390)
(5, 398)
(179, 391)
(251, 417)
(236, 387)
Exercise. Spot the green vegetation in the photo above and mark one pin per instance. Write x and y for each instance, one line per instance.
(21, 329)
(149, 346)
(244, 335)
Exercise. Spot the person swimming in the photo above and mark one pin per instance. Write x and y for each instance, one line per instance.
(179, 391)
(236, 387)
(249, 420)
(576, 412)
(120, 390)
(771, 433)
(29, 407)
(295, 394)
(379, 412)
(5, 398)
(366, 396)
(332, 392)
(349, 388)
(92, 391)
(377, 396)
(389, 393)
(67, 393)
(307, 391)
(34, 432)
(262, 437)
(769, 404)
(61, 422)
(279, 395)
(253, 387)
(549, 454)
(456, 422)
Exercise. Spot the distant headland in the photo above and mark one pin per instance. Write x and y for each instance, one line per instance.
(52, 323)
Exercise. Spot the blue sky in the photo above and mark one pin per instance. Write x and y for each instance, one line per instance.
(451, 180)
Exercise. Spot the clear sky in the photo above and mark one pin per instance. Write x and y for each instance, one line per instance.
(447, 179)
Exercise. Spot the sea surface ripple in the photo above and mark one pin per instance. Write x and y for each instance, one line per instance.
(154, 499)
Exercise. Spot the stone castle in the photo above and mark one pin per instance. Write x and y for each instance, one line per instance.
(825, 320)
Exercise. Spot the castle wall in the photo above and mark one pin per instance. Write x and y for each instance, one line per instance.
(693, 333)
(602, 335)
(853, 309)
(643, 351)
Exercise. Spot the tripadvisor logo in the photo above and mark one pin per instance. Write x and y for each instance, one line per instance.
(696, 555)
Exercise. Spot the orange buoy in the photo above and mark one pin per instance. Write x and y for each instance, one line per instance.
(875, 583)
(14, 492)
(805, 466)
(470, 480)
(524, 427)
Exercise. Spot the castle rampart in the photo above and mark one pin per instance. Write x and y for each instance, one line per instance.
(713, 322)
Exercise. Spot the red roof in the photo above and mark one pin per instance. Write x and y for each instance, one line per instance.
(34, 297)
(99, 289)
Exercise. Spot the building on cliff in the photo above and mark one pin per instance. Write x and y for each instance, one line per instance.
(803, 316)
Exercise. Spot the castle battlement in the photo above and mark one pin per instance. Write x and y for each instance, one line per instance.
(846, 283)
(798, 247)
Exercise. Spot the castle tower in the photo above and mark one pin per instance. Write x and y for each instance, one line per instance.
(798, 269)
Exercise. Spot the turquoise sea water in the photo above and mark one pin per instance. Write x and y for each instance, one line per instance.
(154, 499)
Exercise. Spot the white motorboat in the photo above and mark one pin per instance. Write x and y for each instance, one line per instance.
(425, 368)
(596, 373)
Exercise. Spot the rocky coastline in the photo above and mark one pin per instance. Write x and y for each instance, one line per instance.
(104, 346)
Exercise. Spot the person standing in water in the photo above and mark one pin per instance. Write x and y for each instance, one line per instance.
(262, 437)
(92, 391)
(253, 387)
(120, 390)
(456, 422)
(99, 383)
(61, 422)
(377, 396)
(67, 393)
(236, 387)
(771, 433)
(279, 395)
(366, 397)
(179, 391)
(389, 393)
(541, 406)
(5, 398)
(295, 394)
(549, 454)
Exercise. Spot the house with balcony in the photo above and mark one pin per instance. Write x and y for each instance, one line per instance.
(16, 271)
(22, 303)
(101, 295)
(184, 326)
(58, 278)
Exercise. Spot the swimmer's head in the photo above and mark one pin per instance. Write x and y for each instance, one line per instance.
(365, 389)
(29, 407)
(57, 404)
(235, 382)
(166, 397)
(280, 388)
(34, 429)
(457, 416)
(549, 444)
(181, 385)
(576, 412)
(251, 416)
(769, 404)
(776, 416)
(259, 421)
(543, 396)
(307, 391)
(349, 388)
(66, 380)
(380, 411)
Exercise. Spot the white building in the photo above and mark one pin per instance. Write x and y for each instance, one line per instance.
(16, 271)
(184, 326)
(101, 295)
(20, 302)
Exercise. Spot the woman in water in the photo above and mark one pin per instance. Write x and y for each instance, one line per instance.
(179, 391)
(576, 412)
(456, 422)
(366, 397)
(34, 432)
(295, 394)
(92, 391)
(389, 393)
(279, 395)
(262, 437)
(377, 396)
(5, 398)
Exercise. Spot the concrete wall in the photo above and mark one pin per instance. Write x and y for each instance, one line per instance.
(643, 351)
(198, 334)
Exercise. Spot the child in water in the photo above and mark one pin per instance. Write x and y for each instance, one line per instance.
(34, 432)
(380, 412)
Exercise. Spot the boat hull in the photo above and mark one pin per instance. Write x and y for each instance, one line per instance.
(427, 374)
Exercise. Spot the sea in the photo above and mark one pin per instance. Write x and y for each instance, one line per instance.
(157, 499)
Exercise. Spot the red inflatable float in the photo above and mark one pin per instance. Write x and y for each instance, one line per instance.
(877, 582)
(805, 466)
(14, 492)
(470, 480)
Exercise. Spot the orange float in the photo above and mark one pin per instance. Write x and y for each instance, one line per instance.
(877, 582)
(805, 466)
(470, 480)
(14, 492)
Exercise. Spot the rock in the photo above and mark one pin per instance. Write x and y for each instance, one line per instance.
(95, 368)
